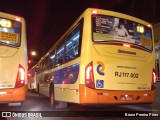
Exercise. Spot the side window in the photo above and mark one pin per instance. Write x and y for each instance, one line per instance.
(52, 59)
(46, 79)
(72, 44)
(40, 67)
(43, 65)
(60, 55)
(46, 61)
(37, 68)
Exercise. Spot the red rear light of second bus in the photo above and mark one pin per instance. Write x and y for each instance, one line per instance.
(20, 77)
(89, 77)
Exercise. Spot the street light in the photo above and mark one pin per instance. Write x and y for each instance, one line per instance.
(33, 53)
(32, 57)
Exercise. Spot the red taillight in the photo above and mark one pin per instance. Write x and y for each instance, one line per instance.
(153, 79)
(20, 77)
(89, 77)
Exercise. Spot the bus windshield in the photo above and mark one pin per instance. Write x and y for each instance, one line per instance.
(10, 32)
(113, 29)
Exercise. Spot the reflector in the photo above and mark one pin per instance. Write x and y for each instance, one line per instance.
(18, 19)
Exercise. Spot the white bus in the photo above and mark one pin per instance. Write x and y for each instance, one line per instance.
(13, 59)
(32, 83)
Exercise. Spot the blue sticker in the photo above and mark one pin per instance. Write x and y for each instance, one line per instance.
(99, 83)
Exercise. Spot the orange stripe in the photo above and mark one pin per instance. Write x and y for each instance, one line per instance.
(18, 94)
(92, 96)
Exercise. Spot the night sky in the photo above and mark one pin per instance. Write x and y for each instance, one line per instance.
(47, 20)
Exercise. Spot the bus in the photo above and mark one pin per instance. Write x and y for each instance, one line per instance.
(105, 57)
(32, 81)
(13, 59)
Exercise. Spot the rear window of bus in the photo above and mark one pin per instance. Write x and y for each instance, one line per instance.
(10, 31)
(113, 29)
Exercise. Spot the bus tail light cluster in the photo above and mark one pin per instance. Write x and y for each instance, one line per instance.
(89, 76)
(153, 79)
(20, 77)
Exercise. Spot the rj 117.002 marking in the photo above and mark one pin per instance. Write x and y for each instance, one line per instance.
(125, 74)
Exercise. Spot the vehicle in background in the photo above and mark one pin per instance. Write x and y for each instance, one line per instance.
(32, 81)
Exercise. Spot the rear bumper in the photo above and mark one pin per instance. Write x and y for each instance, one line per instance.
(13, 95)
(92, 96)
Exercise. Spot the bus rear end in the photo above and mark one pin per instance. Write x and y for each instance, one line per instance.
(121, 66)
(13, 59)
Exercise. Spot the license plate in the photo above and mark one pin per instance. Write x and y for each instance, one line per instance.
(126, 97)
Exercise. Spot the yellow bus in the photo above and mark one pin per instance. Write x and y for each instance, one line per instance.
(13, 59)
(105, 57)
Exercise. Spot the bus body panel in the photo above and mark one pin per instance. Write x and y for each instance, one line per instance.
(121, 71)
(9, 70)
(12, 57)
(13, 95)
(68, 92)
(63, 91)
(43, 87)
(94, 96)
